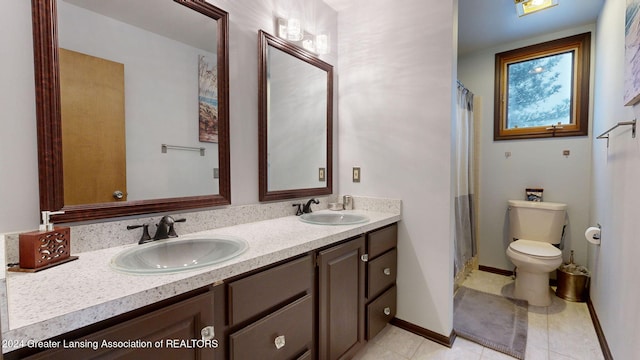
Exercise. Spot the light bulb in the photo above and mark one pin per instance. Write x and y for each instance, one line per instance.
(322, 43)
(294, 29)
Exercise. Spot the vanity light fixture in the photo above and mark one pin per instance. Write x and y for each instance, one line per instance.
(294, 29)
(526, 7)
(322, 43)
(291, 29)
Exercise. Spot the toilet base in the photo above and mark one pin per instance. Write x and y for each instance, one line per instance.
(533, 287)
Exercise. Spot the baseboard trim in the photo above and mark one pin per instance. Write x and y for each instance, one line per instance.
(489, 269)
(596, 325)
(425, 333)
(495, 270)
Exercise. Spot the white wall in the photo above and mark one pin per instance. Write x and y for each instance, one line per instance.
(395, 87)
(534, 163)
(19, 204)
(614, 194)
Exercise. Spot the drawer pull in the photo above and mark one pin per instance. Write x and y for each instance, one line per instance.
(208, 333)
(279, 342)
(387, 271)
(387, 311)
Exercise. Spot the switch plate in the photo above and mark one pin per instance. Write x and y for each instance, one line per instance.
(321, 174)
(216, 173)
(356, 174)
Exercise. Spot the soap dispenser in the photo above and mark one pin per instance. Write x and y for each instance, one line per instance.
(46, 247)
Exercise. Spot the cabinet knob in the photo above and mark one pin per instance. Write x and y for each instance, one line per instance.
(387, 271)
(118, 195)
(279, 342)
(208, 333)
(364, 257)
(387, 311)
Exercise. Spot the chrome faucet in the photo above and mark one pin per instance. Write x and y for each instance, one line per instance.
(307, 207)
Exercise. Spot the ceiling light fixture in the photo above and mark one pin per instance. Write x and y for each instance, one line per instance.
(526, 7)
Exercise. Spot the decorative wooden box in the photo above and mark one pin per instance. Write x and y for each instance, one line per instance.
(44, 248)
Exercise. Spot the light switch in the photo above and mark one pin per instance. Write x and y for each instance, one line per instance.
(321, 174)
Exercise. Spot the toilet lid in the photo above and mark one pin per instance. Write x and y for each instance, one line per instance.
(535, 248)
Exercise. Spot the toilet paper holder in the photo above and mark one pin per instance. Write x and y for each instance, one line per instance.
(593, 234)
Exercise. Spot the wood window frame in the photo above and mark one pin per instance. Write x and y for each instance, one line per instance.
(579, 126)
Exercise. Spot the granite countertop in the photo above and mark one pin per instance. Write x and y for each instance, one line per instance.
(85, 291)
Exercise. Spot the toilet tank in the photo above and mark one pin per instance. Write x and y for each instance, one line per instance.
(537, 221)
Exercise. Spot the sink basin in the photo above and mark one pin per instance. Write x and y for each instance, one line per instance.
(175, 255)
(333, 218)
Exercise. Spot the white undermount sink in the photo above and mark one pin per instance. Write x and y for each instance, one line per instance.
(175, 255)
(333, 218)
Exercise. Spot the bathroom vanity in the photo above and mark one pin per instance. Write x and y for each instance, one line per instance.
(301, 291)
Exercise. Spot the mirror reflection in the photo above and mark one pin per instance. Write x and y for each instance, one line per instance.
(130, 82)
(295, 121)
(141, 94)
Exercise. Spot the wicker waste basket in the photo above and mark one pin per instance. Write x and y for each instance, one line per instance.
(573, 281)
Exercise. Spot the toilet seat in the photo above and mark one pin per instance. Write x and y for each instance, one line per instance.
(536, 249)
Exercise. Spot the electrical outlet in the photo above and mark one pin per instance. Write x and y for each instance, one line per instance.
(356, 174)
(321, 174)
(216, 173)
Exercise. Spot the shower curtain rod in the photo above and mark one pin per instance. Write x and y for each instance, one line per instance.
(464, 87)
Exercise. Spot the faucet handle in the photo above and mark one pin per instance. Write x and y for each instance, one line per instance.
(299, 210)
(145, 232)
(172, 231)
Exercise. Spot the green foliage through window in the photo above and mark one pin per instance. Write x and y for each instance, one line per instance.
(540, 92)
(543, 90)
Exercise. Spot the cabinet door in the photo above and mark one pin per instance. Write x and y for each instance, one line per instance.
(341, 300)
(178, 326)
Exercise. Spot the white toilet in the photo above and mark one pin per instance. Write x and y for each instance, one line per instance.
(535, 227)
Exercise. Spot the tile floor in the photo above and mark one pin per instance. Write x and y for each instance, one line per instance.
(562, 331)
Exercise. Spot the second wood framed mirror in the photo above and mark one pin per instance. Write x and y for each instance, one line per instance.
(295, 121)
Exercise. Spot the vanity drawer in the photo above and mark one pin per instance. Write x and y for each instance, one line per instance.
(290, 329)
(381, 241)
(380, 312)
(267, 289)
(381, 273)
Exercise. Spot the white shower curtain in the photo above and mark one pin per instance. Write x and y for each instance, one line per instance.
(465, 244)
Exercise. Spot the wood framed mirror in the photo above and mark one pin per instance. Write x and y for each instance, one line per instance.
(165, 128)
(295, 121)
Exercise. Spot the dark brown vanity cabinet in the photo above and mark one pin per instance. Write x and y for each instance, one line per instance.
(173, 332)
(382, 265)
(322, 305)
(341, 278)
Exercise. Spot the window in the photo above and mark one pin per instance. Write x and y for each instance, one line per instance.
(543, 90)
